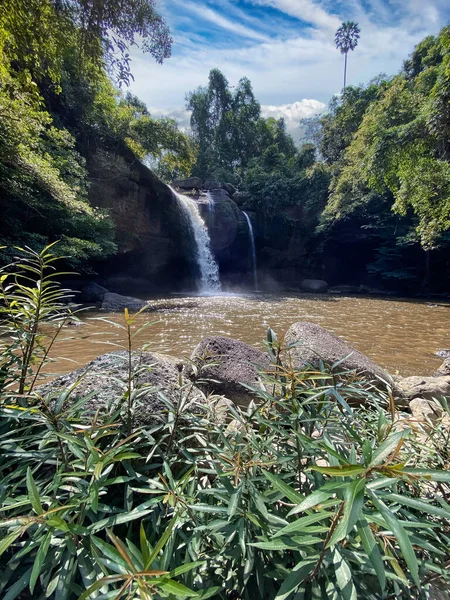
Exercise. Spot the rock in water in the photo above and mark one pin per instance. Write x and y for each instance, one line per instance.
(316, 286)
(115, 303)
(314, 343)
(106, 376)
(227, 364)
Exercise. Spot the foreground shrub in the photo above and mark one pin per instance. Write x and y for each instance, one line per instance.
(321, 490)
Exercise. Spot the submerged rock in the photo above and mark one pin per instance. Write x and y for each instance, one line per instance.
(228, 365)
(106, 379)
(316, 286)
(315, 344)
(115, 303)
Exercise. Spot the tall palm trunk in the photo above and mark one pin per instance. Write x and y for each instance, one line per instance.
(345, 69)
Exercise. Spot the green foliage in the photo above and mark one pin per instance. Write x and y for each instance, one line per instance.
(229, 131)
(300, 495)
(37, 33)
(33, 311)
(401, 144)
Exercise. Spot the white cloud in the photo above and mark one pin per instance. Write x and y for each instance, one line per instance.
(293, 113)
(305, 10)
(216, 18)
(283, 69)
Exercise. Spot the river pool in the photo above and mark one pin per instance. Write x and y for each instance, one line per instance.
(400, 335)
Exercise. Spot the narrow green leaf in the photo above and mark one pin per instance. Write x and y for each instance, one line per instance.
(402, 537)
(421, 505)
(353, 505)
(344, 577)
(341, 471)
(318, 497)
(372, 550)
(303, 522)
(295, 578)
(33, 493)
(6, 542)
(283, 487)
(177, 589)
(387, 448)
(39, 560)
(160, 543)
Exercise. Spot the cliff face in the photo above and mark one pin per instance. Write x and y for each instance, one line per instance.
(150, 232)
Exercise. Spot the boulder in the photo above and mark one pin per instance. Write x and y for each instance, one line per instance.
(444, 369)
(105, 378)
(92, 292)
(408, 388)
(212, 184)
(229, 188)
(316, 286)
(314, 343)
(150, 231)
(116, 303)
(443, 353)
(241, 197)
(191, 183)
(422, 409)
(226, 364)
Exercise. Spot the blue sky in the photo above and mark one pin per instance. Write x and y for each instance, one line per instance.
(285, 47)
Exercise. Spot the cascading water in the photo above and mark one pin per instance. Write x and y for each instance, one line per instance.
(208, 267)
(252, 249)
(211, 208)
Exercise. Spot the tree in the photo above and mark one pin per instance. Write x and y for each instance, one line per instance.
(346, 39)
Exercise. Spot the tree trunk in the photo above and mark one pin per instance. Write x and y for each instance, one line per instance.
(345, 70)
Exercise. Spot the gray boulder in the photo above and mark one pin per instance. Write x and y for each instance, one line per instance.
(191, 183)
(444, 369)
(212, 184)
(226, 364)
(229, 188)
(314, 343)
(241, 197)
(92, 292)
(408, 388)
(106, 376)
(116, 303)
(316, 286)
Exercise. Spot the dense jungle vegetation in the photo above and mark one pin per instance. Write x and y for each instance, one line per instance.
(376, 175)
(375, 171)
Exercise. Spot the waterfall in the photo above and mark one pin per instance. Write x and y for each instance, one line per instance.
(208, 267)
(252, 249)
(211, 209)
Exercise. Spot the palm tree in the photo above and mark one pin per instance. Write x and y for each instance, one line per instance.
(346, 39)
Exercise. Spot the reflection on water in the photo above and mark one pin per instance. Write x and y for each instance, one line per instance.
(399, 335)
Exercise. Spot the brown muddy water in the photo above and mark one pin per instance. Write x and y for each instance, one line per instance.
(400, 335)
